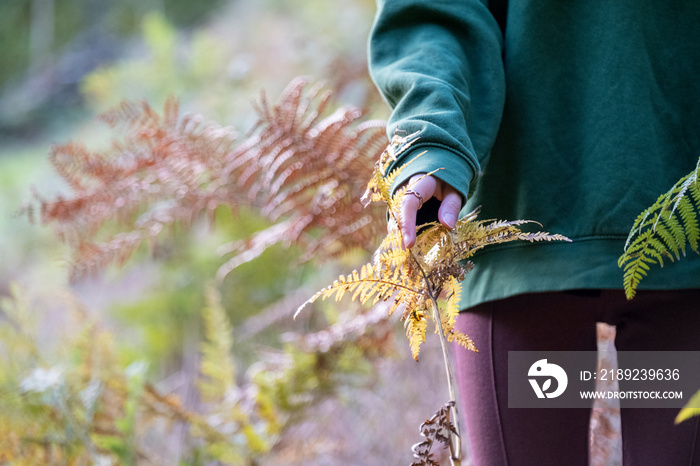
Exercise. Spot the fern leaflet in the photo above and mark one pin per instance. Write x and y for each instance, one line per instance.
(414, 278)
(663, 230)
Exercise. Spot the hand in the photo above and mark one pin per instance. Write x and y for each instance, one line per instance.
(425, 188)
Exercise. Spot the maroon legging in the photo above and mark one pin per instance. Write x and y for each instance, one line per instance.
(566, 321)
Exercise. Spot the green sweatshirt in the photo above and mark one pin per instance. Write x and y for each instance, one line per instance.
(576, 114)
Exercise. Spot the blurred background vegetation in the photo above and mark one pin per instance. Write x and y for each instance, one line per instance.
(117, 369)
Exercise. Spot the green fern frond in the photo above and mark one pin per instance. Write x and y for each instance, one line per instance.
(676, 229)
(664, 229)
(634, 274)
(217, 366)
(690, 222)
(694, 190)
(665, 232)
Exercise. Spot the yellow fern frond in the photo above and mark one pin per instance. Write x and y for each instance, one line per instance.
(379, 185)
(691, 409)
(414, 278)
(369, 282)
(433, 242)
(416, 324)
(472, 236)
(462, 340)
(391, 252)
(394, 257)
(389, 179)
(454, 294)
(541, 236)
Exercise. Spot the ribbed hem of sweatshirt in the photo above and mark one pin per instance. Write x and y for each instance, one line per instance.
(586, 263)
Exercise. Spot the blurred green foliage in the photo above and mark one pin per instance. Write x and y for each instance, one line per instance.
(163, 317)
(76, 402)
(69, 18)
(153, 323)
(191, 70)
(61, 395)
(196, 69)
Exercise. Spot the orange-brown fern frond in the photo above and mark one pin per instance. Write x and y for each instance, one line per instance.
(164, 169)
(310, 171)
(302, 169)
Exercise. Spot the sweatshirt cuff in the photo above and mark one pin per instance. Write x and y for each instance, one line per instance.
(451, 168)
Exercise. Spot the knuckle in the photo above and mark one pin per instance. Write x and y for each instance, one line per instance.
(452, 203)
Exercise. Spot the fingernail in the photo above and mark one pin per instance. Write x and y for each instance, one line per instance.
(450, 220)
(406, 240)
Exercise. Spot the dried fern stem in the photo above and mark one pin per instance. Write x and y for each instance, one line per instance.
(455, 438)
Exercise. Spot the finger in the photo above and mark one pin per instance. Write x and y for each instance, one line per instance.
(425, 187)
(450, 206)
(408, 221)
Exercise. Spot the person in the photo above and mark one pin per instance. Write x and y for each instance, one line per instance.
(577, 115)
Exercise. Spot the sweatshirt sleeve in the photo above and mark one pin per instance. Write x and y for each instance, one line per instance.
(439, 65)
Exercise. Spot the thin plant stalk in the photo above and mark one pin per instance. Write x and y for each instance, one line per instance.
(455, 437)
